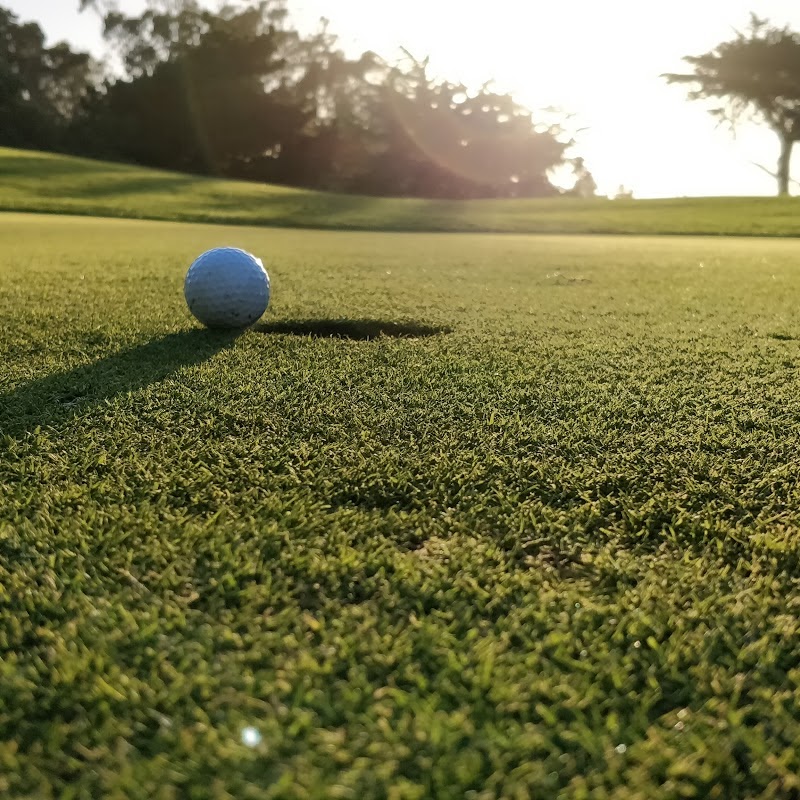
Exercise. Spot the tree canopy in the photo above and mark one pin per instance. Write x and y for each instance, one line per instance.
(238, 92)
(41, 87)
(757, 75)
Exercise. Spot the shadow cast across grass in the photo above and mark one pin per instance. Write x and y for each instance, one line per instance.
(359, 330)
(54, 398)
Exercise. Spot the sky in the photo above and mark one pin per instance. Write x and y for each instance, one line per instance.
(599, 61)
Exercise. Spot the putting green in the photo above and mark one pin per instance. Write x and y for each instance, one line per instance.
(464, 516)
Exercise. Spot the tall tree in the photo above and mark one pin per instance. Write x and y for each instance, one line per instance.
(585, 184)
(195, 98)
(239, 92)
(757, 75)
(235, 92)
(439, 140)
(40, 87)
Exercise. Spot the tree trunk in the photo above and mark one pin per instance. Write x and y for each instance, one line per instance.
(783, 165)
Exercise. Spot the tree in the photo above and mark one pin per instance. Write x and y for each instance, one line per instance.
(435, 139)
(195, 98)
(332, 95)
(757, 74)
(40, 87)
(102, 7)
(240, 93)
(585, 184)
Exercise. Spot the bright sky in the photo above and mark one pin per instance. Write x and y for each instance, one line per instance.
(598, 60)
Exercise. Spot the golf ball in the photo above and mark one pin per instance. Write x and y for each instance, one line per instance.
(227, 288)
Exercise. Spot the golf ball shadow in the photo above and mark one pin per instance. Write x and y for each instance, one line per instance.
(360, 330)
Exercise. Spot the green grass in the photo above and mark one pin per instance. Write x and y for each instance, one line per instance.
(39, 182)
(465, 516)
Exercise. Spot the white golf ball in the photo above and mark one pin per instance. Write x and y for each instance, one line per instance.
(227, 288)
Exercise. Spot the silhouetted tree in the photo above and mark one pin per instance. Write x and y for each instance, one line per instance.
(332, 94)
(102, 7)
(195, 98)
(239, 93)
(757, 74)
(40, 87)
(437, 140)
(585, 184)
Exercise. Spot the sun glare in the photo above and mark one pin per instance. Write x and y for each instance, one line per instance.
(600, 63)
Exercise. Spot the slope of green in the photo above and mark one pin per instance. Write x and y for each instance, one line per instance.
(40, 182)
(464, 516)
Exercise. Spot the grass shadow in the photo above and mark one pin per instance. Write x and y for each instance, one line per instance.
(360, 330)
(56, 397)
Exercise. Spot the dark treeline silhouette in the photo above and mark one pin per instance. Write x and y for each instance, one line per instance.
(239, 93)
(41, 89)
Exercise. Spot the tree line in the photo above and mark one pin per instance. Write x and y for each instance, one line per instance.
(238, 92)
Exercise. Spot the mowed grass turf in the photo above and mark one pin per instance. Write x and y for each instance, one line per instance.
(44, 182)
(465, 516)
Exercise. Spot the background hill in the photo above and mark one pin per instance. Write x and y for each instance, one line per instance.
(43, 182)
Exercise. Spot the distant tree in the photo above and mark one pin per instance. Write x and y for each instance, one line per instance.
(333, 94)
(239, 92)
(235, 92)
(437, 140)
(40, 87)
(100, 6)
(195, 98)
(757, 74)
(585, 184)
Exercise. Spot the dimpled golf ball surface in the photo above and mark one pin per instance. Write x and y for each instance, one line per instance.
(227, 288)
